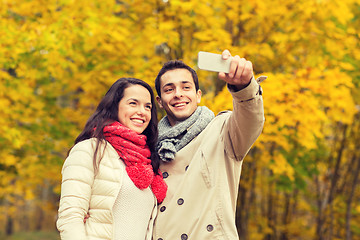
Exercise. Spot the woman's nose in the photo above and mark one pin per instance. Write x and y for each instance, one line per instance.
(141, 110)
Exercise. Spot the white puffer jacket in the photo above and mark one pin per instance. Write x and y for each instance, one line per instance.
(82, 191)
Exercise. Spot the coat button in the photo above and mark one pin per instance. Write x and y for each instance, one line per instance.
(209, 227)
(163, 208)
(165, 174)
(180, 201)
(186, 168)
(184, 236)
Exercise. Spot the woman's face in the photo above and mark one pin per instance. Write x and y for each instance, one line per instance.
(135, 108)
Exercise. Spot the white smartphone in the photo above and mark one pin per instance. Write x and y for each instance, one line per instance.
(213, 62)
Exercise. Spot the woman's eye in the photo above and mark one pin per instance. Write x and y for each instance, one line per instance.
(132, 103)
(148, 107)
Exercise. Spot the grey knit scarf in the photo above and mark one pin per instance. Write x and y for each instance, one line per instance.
(172, 139)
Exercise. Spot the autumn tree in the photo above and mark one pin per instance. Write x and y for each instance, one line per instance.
(300, 180)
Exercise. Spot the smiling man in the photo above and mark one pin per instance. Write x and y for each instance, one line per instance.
(202, 154)
(179, 95)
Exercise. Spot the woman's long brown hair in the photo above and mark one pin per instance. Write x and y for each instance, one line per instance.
(107, 112)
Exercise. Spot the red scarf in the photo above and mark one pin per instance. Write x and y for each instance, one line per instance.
(133, 150)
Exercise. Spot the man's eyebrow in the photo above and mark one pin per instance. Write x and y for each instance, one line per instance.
(168, 84)
(186, 81)
(182, 82)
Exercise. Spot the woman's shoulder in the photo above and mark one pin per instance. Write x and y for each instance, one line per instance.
(88, 147)
(81, 154)
(85, 145)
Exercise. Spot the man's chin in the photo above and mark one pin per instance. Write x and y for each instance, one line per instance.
(182, 117)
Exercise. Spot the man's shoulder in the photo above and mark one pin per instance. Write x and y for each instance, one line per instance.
(218, 121)
(224, 112)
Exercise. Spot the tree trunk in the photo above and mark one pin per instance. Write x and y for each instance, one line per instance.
(319, 219)
(285, 218)
(241, 220)
(9, 226)
(350, 199)
(246, 200)
(336, 175)
(271, 212)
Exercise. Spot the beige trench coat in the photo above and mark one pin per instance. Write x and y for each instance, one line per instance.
(203, 179)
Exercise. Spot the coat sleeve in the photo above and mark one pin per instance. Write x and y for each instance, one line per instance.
(77, 181)
(246, 121)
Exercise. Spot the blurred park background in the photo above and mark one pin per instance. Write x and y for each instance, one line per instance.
(58, 57)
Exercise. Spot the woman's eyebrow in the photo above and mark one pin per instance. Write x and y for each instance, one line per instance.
(133, 99)
(136, 100)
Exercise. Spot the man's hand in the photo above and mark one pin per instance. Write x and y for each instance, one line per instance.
(241, 71)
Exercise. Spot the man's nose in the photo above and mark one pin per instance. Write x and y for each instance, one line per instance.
(179, 93)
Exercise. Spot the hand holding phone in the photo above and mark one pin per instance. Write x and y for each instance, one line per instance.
(235, 71)
(213, 62)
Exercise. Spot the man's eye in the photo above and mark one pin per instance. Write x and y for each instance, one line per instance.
(168, 90)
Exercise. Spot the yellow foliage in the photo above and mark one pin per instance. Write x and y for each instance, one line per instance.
(9, 160)
(298, 228)
(357, 208)
(58, 58)
(280, 166)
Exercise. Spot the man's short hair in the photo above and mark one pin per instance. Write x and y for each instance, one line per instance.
(172, 65)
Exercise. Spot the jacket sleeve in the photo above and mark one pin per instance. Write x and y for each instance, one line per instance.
(77, 180)
(246, 121)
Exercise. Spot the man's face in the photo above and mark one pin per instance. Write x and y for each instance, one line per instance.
(179, 97)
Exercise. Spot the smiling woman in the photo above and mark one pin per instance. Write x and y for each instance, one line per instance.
(135, 108)
(112, 172)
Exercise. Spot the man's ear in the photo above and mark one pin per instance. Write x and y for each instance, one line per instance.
(198, 94)
(158, 99)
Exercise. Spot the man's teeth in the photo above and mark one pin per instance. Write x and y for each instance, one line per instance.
(179, 104)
